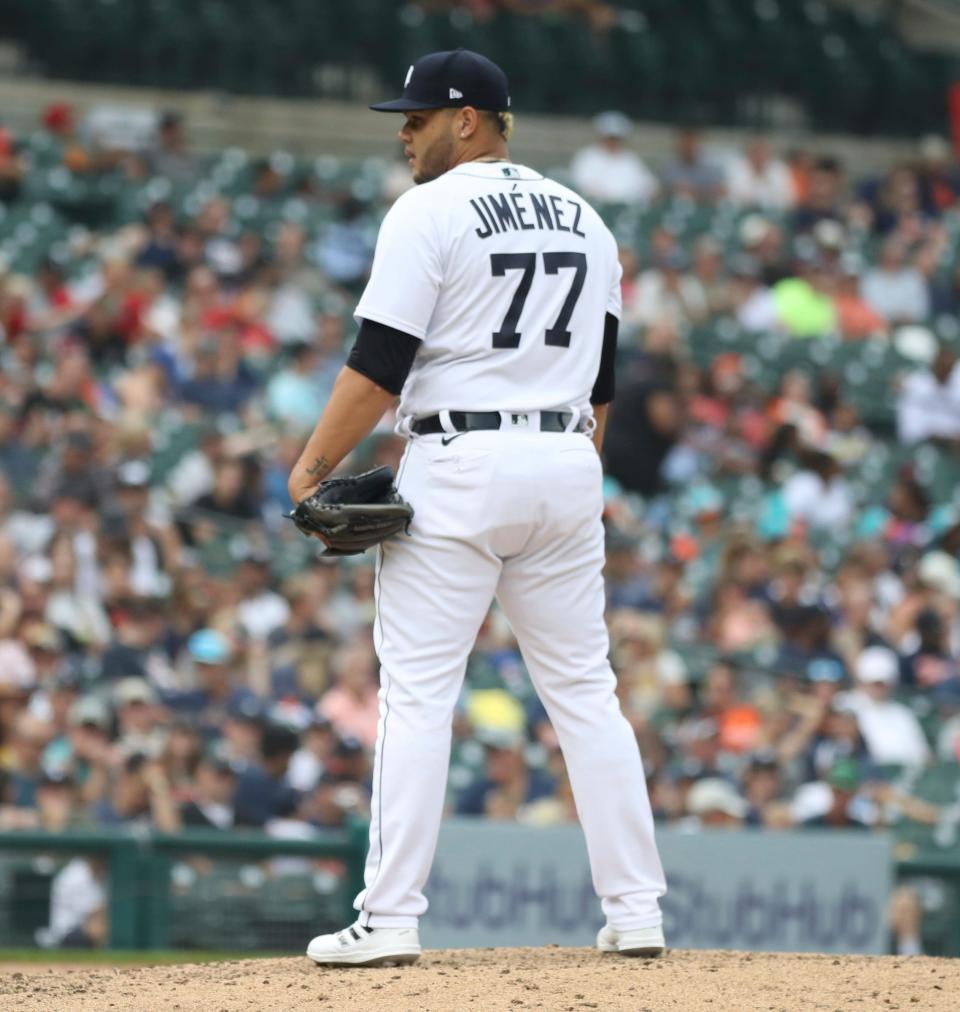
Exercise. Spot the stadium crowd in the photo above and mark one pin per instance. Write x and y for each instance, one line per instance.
(782, 575)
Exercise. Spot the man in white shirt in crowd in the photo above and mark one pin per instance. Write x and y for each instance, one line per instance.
(890, 730)
(928, 404)
(607, 171)
(757, 179)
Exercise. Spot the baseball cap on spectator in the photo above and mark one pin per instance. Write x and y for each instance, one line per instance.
(58, 117)
(829, 234)
(41, 636)
(852, 265)
(763, 759)
(218, 763)
(877, 665)
(715, 795)
(133, 474)
(90, 710)
(133, 690)
(825, 669)
(496, 711)
(248, 709)
(37, 569)
(348, 745)
(844, 775)
(278, 740)
(671, 670)
(450, 80)
(705, 502)
(290, 712)
(753, 229)
(916, 343)
(499, 738)
(207, 646)
(940, 572)
(612, 124)
(56, 778)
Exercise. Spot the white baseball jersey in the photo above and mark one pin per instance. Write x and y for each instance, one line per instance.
(488, 265)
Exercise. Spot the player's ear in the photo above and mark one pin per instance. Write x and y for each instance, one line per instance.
(466, 121)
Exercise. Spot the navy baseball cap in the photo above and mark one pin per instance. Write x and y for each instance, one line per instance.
(451, 80)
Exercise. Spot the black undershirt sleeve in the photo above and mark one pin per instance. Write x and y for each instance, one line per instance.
(383, 354)
(605, 387)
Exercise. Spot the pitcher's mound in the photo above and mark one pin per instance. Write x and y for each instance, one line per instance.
(558, 980)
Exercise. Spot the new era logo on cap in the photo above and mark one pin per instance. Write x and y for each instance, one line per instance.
(455, 94)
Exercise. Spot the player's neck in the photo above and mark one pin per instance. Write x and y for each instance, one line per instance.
(482, 153)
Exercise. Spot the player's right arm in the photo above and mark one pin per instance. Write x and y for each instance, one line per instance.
(393, 313)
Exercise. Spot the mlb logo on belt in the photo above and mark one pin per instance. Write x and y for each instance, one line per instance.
(519, 419)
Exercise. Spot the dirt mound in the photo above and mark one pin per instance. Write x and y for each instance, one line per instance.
(564, 980)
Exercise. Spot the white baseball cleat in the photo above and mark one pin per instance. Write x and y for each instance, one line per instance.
(360, 946)
(646, 942)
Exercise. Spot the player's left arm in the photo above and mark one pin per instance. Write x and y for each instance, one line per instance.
(364, 390)
(605, 387)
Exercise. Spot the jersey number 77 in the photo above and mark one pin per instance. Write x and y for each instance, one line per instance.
(557, 336)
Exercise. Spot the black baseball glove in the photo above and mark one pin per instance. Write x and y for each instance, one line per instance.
(350, 515)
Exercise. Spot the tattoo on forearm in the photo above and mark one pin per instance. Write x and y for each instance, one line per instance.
(319, 468)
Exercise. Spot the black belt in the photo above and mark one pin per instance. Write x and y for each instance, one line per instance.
(468, 421)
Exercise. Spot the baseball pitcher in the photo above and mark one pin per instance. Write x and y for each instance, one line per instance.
(492, 312)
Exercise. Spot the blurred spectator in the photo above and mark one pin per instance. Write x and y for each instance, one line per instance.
(351, 703)
(839, 805)
(715, 804)
(818, 494)
(139, 794)
(643, 427)
(293, 395)
(937, 176)
(928, 403)
(824, 197)
(607, 171)
(169, 157)
(78, 906)
(213, 789)
(804, 304)
(896, 289)
(751, 299)
(263, 790)
(218, 692)
(691, 173)
(507, 783)
(12, 167)
(140, 726)
(666, 292)
(757, 179)
(856, 318)
(890, 730)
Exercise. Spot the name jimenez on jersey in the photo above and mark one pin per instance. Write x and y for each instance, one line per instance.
(523, 212)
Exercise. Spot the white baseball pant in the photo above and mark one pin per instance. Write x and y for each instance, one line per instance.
(517, 515)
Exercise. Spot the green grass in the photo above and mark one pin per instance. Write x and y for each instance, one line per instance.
(109, 957)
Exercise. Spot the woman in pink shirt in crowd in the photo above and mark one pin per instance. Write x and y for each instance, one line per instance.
(351, 703)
